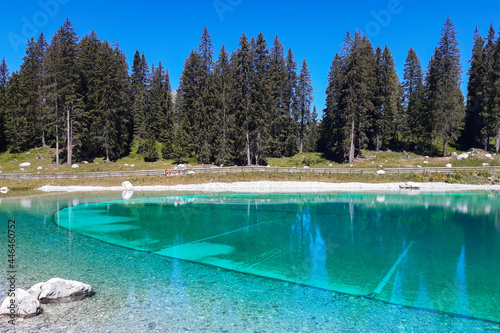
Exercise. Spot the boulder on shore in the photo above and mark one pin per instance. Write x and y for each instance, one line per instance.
(23, 305)
(127, 186)
(58, 290)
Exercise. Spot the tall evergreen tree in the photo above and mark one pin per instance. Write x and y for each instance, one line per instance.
(262, 103)
(350, 97)
(290, 98)
(386, 100)
(4, 78)
(415, 120)
(242, 63)
(475, 124)
(206, 92)
(446, 102)
(63, 83)
(224, 116)
(139, 82)
(491, 114)
(304, 99)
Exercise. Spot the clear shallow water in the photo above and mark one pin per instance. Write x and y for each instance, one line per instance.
(443, 257)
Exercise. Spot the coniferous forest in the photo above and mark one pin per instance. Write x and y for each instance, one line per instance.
(79, 96)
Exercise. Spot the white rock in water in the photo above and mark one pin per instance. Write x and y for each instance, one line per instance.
(75, 166)
(449, 165)
(4, 190)
(23, 305)
(127, 186)
(126, 195)
(60, 290)
(39, 168)
(380, 172)
(25, 164)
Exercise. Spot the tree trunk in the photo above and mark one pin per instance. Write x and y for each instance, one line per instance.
(248, 150)
(351, 149)
(68, 131)
(445, 144)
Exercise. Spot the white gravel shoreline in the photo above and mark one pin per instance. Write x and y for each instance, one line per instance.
(281, 187)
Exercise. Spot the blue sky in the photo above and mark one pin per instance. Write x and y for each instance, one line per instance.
(169, 30)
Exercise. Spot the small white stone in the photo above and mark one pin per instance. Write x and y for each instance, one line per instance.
(39, 168)
(4, 189)
(449, 165)
(25, 164)
(75, 166)
(426, 162)
(21, 169)
(380, 172)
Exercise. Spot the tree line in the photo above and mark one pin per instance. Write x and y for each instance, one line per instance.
(78, 97)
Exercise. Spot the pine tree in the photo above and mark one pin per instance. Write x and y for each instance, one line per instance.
(224, 115)
(206, 93)
(385, 100)
(290, 103)
(139, 82)
(63, 84)
(443, 85)
(281, 118)
(475, 125)
(415, 119)
(242, 63)
(350, 97)
(261, 99)
(4, 78)
(304, 99)
(190, 106)
(491, 114)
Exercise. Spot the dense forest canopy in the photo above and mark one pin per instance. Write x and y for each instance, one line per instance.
(78, 96)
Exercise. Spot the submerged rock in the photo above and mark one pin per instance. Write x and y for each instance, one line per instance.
(23, 305)
(58, 290)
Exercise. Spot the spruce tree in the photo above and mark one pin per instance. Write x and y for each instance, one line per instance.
(139, 82)
(224, 116)
(290, 103)
(415, 120)
(304, 99)
(242, 63)
(4, 78)
(281, 118)
(475, 124)
(386, 99)
(443, 85)
(491, 113)
(261, 98)
(63, 77)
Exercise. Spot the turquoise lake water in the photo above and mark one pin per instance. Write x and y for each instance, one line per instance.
(434, 254)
